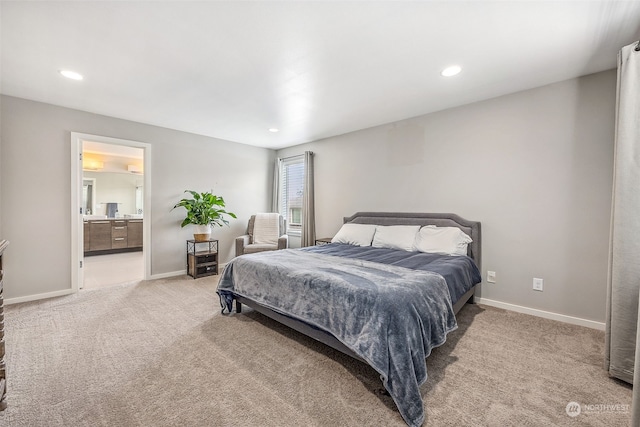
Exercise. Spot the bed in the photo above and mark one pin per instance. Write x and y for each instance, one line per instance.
(382, 305)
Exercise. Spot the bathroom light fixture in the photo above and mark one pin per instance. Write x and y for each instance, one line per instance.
(451, 71)
(274, 130)
(92, 165)
(71, 74)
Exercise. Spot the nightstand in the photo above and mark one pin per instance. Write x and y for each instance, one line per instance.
(323, 241)
(202, 258)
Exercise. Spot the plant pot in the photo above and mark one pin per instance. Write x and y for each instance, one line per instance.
(202, 233)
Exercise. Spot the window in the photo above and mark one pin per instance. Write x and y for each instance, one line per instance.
(291, 192)
(296, 216)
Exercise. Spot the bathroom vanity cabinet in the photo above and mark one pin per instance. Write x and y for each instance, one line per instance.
(134, 233)
(105, 236)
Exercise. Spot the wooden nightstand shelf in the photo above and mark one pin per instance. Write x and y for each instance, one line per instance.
(202, 258)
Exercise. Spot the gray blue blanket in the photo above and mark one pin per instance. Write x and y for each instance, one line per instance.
(392, 317)
(460, 272)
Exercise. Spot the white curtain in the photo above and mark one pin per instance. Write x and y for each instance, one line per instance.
(275, 201)
(308, 205)
(621, 343)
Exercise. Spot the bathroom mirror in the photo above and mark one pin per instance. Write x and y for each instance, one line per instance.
(88, 196)
(112, 194)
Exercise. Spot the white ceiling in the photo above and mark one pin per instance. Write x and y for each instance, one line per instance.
(112, 150)
(232, 70)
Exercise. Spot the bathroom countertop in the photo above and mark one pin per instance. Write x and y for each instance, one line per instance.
(98, 218)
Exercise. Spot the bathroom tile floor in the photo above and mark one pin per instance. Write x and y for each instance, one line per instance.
(114, 269)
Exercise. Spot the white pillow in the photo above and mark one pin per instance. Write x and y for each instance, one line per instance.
(395, 237)
(442, 240)
(355, 234)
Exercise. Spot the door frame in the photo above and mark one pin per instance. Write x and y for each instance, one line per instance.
(77, 228)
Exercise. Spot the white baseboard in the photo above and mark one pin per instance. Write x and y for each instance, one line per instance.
(179, 273)
(166, 275)
(35, 297)
(63, 292)
(541, 313)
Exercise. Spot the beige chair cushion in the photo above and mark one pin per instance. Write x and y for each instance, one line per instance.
(245, 245)
(266, 228)
(259, 247)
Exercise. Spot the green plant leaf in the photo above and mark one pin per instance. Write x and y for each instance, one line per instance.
(204, 208)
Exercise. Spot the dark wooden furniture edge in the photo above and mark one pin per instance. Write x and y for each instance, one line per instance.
(3, 367)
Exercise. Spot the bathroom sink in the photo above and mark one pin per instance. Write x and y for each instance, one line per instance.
(133, 216)
(90, 217)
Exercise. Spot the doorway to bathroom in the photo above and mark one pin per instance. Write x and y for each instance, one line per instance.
(111, 225)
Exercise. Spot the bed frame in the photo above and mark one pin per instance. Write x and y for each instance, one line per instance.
(471, 228)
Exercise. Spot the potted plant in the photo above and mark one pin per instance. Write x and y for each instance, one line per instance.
(204, 210)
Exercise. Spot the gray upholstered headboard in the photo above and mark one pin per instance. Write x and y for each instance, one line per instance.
(472, 228)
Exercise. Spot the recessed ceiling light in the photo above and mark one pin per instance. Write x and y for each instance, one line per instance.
(451, 71)
(274, 130)
(71, 74)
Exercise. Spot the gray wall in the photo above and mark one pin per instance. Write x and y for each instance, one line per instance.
(35, 180)
(535, 167)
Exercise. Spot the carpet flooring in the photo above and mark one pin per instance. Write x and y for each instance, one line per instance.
(112, 269)
(159, 353)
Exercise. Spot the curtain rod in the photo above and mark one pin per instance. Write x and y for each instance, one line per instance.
(293, 157)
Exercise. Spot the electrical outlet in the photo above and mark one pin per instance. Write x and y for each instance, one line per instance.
(538, 284)
(491, 276)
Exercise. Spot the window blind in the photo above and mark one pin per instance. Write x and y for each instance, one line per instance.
(291, 191)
